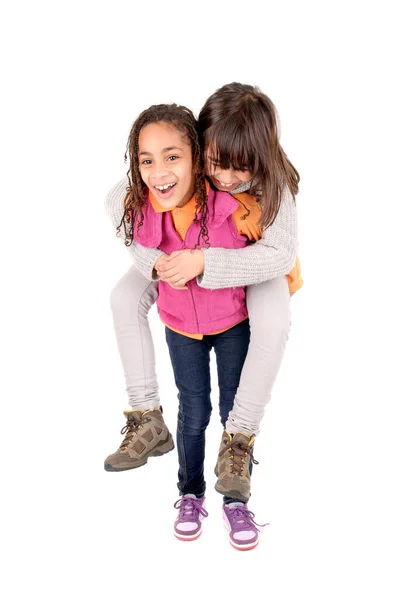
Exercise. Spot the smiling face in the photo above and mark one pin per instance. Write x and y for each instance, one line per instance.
(165, 162)
(224, 179)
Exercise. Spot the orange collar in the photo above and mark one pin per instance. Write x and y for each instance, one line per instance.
(160, 209)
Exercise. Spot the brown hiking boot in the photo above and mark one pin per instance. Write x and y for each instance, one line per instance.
(232, 468)
(146, 435)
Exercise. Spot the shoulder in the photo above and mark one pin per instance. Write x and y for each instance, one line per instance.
(287, 214)
(247, 215)
(246, 203)
(286, 196)
(283, 231)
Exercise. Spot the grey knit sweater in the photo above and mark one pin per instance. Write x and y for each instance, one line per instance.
(273, 255)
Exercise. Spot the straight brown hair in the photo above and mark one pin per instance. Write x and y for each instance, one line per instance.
(238, 123)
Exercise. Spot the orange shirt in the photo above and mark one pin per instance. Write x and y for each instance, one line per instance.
(184, 215)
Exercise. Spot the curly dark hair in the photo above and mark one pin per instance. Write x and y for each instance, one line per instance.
(137, 192)
(240, 124)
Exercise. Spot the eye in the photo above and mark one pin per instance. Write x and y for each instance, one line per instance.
(240, 168)
(214, 163)
(172, 158)
(146, 162)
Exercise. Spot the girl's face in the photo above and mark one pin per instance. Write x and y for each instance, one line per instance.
(165, 160)
(224, 179)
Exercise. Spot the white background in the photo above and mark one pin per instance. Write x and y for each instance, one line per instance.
(74, 77)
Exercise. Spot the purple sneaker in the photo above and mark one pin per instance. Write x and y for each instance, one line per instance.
(188, 525)
(243, 533)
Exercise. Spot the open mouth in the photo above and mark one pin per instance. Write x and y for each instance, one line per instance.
(225, 185)
(164, 191)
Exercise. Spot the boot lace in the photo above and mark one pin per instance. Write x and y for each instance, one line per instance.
(134, 423)
(239, 451)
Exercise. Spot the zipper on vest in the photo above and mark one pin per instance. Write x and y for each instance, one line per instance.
(184, 247)
(194, 307)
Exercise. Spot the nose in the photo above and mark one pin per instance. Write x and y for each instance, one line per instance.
(159, 172)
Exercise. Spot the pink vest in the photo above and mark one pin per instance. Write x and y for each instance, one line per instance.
(197, 310)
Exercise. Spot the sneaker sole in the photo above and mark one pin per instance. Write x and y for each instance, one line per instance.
(168, 446)
(187, 538)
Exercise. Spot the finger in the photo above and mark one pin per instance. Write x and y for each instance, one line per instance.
(177, 252)
(174, 255)
(162, 277)
(175, 280)
(178, 280)
(162, 260)
(169, 273)
(171, 264)
(177, 287)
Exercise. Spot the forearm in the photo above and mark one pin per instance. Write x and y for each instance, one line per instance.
(271, 256)
(144, 258)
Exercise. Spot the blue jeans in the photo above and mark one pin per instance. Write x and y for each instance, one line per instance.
(191, 365)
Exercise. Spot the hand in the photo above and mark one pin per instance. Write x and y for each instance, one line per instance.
(160, 261)
(178, 287)
(159, 264)
(181, 266)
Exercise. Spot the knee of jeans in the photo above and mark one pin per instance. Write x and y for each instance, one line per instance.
(193, 424)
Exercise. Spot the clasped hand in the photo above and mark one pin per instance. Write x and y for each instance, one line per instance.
(179, 267)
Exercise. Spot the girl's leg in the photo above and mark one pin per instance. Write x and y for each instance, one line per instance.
(268, 305)
(191, 365)
(231, 350)
(131, 299)
(146, 433)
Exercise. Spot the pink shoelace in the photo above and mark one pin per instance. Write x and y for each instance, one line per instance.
(190, 509)
(242, 519)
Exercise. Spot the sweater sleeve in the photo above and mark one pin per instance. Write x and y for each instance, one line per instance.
(144, 258)
(271, 256)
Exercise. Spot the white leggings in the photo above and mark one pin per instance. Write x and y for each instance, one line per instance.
(268, 304)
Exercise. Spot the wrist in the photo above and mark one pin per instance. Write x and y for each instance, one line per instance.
(200, 260)
(159, 261)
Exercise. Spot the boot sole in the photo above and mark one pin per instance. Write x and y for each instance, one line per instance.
(168, 446)
(236, 494)
(232, 493)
